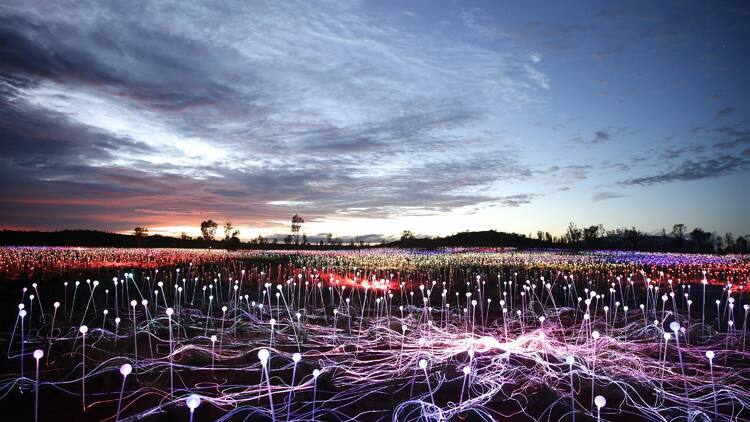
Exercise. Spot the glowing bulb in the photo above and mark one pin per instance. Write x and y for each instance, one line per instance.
(126, 369)
(193, 401)
(263, 355)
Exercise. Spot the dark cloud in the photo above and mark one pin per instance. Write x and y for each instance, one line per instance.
(603, 196)
(689, 170)
(603, 135)
(725, 111)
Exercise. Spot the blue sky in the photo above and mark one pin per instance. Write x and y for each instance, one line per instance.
(375, 117)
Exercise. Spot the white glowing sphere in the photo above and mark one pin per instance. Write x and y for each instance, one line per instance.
(214, 338)
(144, 302)
(570, 359)
(595, 334)
(710, 354)
(193, 401)
(316, 373)
(423, 363)
(105, 312)
(117, 320)
(22, 313)
(38, 354)
(133, 303)
(296, 357)
(674, 326)
(83, 329)
(126, 369)
(56, 304)
(272, 321)
(667, 336)
(466, 370)
(170, 311)
(600, 401)
(263, 355)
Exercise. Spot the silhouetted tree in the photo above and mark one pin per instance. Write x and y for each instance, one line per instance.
(590, 234)
(297, 222)
(741, 244)
(700, 237)
(140, 234)
(184, 236)
(228, 227)
(407, 235)
(304, 238)
(632, 235)
(234, 242)
(574, 233)
(208, 229)
(678, 232)
(729, 242)
(329, 238)
(288, 239)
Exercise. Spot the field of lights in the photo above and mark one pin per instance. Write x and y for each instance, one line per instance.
(373, 335)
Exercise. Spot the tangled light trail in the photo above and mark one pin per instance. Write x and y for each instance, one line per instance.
(386, 334)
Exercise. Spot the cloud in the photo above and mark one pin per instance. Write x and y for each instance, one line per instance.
(604, 196)
(689, 170)
(724, 111)
(602, 136)
(250, 111)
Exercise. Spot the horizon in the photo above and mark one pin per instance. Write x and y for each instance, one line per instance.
(371, 119)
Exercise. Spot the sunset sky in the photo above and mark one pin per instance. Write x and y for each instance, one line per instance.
(369, 118)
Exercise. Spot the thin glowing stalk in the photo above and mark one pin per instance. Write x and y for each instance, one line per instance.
(466, 372)
(316, 374)
(125, 370)
(570, 360)
(295, 358)
(83, 329)
(37, 355)
(710, 356)
(423, 365)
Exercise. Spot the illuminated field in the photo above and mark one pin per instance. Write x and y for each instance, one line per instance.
(376, 334)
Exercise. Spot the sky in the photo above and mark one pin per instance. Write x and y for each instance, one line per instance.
(372, 117)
